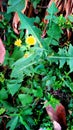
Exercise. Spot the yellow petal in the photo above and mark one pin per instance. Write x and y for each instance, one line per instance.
(30, 40)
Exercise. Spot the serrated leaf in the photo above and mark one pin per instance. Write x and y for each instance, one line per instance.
(70, 50)
(53, 9)
(25, 99)
(70, 61)
(15, 5)
(63, 57)
(62, 52)
(22, 64)
(12, 123)
(69, 85)
(62, 62)
(24, 123)
(28, 23)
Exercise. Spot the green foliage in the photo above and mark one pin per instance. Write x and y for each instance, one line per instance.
(35, 2)
(36, 32)
(13, 86)
(3, 94)
(51, 100)
(31, 74)
(15, 5)
(70, 18)
(64, 55)
(2, 110)
(54, 36)
(24, 100)
(21, 66)
(53, 9)
(12, 123)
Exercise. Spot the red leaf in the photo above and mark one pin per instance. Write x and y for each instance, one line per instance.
(56, 125)
(2, 52)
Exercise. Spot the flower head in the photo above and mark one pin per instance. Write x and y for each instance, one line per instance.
(26, 55)
(18, 42)
(30, 40)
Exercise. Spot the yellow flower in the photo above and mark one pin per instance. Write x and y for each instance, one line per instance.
(18, 42)
(30, 40)
(26, 55)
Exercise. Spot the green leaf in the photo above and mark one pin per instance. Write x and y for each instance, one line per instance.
(1, 77)
(70, 50)
(62, 52)
(62, 62)
(63, 57)
(54, 36)
(69, 85)
(15, 5)
(70, 18)
(50, 81)
(2, 110)
(38, 92)
(52, 9)
(22, 64)
(28, 23)
(3, 94)
(34, 2)
(17, 53)
(51, 101)
(13, 86)
(24, 123)
(8, 107)
(12, 123)
(27, 111)
(54, 31)
(70, 61)
(25, 99)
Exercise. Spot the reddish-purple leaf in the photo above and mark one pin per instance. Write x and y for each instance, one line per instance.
(2, 52)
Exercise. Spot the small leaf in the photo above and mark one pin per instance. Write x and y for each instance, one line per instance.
(38, 92)
(3, 94)
(17, 53)
(2, 110)
(24, 123)
(25, 99)
(54, 34)
(34, 2)
(70, 50)
(69, 85)
(70, 18)
(13, 86)
(12, 123)
(52, 9)
(62, 52)
(15, 5)
(27, 111)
